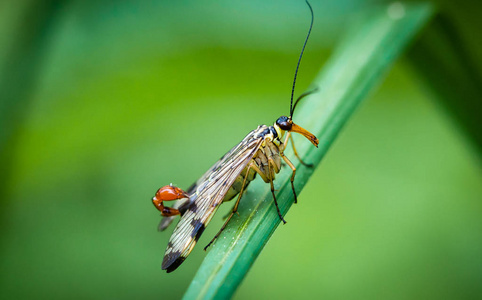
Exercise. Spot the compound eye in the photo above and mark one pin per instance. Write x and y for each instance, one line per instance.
(284, 123)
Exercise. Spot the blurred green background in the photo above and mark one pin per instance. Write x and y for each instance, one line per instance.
(102, 103)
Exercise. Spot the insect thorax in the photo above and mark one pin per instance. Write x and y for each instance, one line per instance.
(267, 159)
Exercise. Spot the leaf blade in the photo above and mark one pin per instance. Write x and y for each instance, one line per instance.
(358, 65)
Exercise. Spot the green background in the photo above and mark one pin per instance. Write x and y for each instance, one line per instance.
(103, 103)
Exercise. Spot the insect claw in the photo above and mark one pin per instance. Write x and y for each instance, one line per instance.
(207, 246)
(282, 219)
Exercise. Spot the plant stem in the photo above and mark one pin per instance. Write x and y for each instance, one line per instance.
(357, 66)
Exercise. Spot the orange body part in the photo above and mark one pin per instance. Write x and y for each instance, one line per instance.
(168, 193)
(306, 133)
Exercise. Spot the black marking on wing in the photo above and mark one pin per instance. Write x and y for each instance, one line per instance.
(192, 207)
(196, 224)
(175, 264)
(199, 230)
(209, 193)
(181, 205)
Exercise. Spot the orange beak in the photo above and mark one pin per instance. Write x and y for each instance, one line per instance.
(305, 133)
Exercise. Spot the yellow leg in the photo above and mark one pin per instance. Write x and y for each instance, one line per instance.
(292, 176)
(235, 207)
(288, 135)
(270, 160)
(258, 170)
(296, 154)
(272, 169)
(270, 180)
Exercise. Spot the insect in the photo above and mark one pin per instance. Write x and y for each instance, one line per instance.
(260, 152)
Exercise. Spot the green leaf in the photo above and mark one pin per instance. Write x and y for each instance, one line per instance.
(446, 66)
(359, 63)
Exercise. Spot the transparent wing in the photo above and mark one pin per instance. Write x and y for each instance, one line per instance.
(183, 204)
(209, 193)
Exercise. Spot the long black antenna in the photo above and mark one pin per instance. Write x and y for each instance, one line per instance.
(299, 60)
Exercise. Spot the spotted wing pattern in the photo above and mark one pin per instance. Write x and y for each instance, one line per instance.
(183, 204)
(209, 193)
